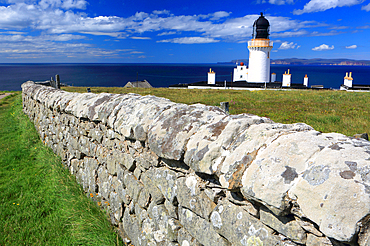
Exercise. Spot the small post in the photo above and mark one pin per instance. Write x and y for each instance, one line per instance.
(225, 107)
(52, 84)
(57, 82)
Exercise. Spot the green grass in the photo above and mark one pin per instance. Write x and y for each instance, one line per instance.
(40, 202)
(325, 110)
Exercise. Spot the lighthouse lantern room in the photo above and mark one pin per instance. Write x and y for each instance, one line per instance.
(259, 52)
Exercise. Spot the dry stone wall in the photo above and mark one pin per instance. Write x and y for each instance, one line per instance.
(174, 174)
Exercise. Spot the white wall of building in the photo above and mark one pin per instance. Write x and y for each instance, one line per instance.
(287, 79)
(240, 73)
(211, 77)
(273, 77)
(259, 64)
(305, 81)
(348, 80)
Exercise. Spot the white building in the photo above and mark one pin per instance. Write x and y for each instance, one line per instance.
(348, 80)
(211, 77)
(240, 73)
(287, 79)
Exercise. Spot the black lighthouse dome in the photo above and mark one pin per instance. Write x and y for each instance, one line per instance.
(261, 28)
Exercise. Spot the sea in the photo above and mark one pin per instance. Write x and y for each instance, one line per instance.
(164, 75)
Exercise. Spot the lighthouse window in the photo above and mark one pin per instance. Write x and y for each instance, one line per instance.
(268, 54)
(241, 76)
(241, 68)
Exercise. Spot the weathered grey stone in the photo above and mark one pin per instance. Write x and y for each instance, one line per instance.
(141, 214)
(132, 229)
(239, 227)
(122, 234)
(96, 135)
(164, 226)
(313, 240)
(128, 161)
(362, 135)
(136, 115)
(286, 226)
(308, 227)
(75, 165)
(244, 204)
(111, 164)
(102, 154)
(115, 207)
(337, 183)
(191, 197)
(245, 148)
(208, 147)
(185, 239)
(91, 166)
(171, 209)
(144, 198)
(364, 233)
(165, 181)
(147, 160)
(137, 172)
(133, 186)
(155, 192)
(214, 194)
(174, 164)
(104, 182)
(171, 130)
(200, 228)
(108, 109)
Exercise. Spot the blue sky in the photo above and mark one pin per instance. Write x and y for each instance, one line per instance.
(168, 31)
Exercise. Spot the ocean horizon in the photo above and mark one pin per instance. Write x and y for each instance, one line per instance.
(164, 74)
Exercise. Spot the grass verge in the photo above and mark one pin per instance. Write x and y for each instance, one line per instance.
(325, 110)
(40, 202)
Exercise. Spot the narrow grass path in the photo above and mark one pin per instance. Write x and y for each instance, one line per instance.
(40, 202)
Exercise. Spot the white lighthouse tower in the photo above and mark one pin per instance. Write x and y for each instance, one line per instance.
(259, 52)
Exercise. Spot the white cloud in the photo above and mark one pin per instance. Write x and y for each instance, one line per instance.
(281, 2)
(63, 37)
(118, 35)
(286, 46)
(290, 34)
(320, 5)
(141, 38)
(277, 2)
(161, 12)
(218, 15)
(351, 47)
(366, 7)
(56, 21)
(214, 25)
(166, 33)
(64, 4)
(190, 40)
(323, 47)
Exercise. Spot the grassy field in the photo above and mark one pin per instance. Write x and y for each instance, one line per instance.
(40, 202)
(326, 111)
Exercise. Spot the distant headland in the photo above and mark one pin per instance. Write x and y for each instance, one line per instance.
(315, 61)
